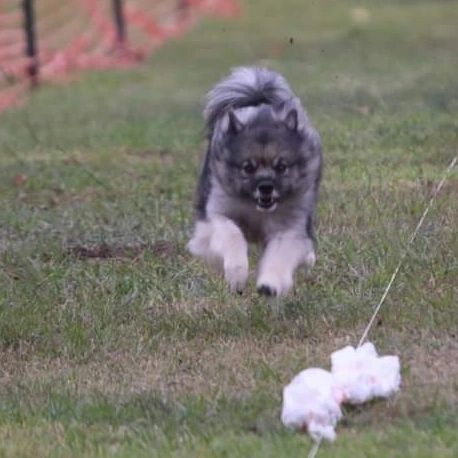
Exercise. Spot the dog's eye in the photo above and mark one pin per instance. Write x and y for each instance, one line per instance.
(281, 167)
(248, 168)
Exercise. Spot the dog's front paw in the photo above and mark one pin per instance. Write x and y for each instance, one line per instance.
(274, 284)
(310, 259)
(236, 275)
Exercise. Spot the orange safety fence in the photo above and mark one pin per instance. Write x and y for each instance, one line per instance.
(75, 35)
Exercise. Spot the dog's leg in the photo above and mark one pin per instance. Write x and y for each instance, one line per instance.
(221, 243)
(283, 254)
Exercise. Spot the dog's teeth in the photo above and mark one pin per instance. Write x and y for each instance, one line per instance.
(266, 209)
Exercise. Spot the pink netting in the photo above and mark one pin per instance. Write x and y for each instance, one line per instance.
(75, 35)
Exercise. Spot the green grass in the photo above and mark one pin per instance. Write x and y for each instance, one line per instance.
(143, 352)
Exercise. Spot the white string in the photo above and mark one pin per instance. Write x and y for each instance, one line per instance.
(313, 452)
(406, 250)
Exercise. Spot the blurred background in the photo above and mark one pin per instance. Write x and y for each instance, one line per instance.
(47, 40)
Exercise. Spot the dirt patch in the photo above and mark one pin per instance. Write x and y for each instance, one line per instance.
(240, 367)
(433, 367)
(105, 251)
(236, 368)
(164, 249)
(223, 366)
(20, 180)
(161, 249)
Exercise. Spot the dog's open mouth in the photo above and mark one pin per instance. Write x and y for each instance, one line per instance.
(266, 204)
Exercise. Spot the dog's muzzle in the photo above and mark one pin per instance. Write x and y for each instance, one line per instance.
(266, 196)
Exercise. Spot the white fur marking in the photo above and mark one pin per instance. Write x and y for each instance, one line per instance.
(281, 257)
(221, 243)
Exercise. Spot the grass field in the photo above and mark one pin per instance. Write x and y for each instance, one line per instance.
(115, 342)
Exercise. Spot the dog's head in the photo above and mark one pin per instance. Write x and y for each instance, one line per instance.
(262, 157)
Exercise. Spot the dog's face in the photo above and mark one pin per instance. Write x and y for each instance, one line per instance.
(262, 162)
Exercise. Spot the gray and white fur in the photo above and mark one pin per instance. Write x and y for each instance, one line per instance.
(259, 181)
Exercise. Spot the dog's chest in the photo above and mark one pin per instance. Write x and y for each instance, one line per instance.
(257, 226)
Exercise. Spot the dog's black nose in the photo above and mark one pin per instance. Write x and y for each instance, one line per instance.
(265, 187)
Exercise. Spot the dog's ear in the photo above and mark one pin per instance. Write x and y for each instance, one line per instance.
(235, 126)
(291, 120)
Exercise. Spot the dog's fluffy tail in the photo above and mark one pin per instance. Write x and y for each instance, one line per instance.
(245, 87)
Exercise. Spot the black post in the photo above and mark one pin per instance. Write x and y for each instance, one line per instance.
(119, 21)
(183, 8)
(31, 48)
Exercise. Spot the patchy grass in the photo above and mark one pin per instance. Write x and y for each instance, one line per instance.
(113, 341)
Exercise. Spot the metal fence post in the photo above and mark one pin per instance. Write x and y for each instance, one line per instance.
(183, 8)
(31, 45)
(119, 22)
